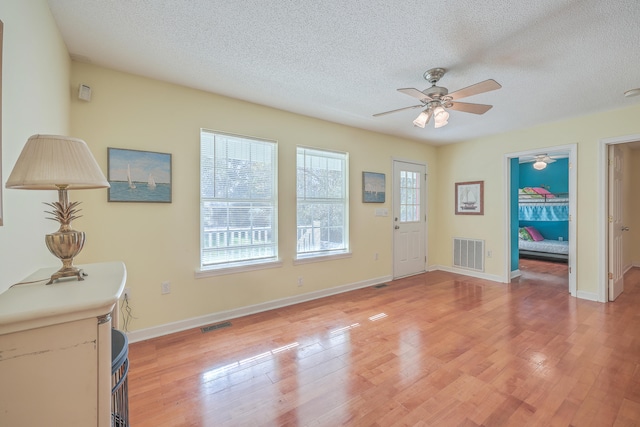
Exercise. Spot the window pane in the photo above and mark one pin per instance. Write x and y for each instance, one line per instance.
(238, 203)
(409, 196)
(322, 200)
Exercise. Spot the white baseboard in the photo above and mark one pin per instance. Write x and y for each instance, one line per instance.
(195, 322)
(477, 274)
(590, 296)
(515, 273)
(627, 268)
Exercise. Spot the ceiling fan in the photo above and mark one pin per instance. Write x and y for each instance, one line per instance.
(436, 100)
(540, 161)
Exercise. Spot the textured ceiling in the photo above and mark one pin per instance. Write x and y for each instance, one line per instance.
(342, 60)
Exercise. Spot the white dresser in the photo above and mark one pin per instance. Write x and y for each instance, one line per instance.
(55, 348)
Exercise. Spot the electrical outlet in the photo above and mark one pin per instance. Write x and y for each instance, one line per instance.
(375, 256)
(489, 253)
(127, 294)
(300, 281)
(165, 288)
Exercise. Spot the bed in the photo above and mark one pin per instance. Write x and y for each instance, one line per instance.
(543, 207)
(553, 250)
(539, 205)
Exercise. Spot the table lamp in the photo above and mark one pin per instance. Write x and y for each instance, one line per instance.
(53, 162)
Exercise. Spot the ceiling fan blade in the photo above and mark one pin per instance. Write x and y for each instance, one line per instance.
(399, 109)
(470, 108)
(485, 86)
(411, 91)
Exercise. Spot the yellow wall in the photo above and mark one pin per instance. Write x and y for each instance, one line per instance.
(482, 159)
(160, 242)
(35, 99)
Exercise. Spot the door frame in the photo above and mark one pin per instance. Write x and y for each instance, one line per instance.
(426, 209)
(573, 195)
(603, 197)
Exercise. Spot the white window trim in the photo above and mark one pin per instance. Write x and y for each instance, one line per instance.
(308, 259)
(249, 266)
(311, 257)
(242, 265)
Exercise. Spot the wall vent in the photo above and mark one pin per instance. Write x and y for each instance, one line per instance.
(210, 328)
(468, 253)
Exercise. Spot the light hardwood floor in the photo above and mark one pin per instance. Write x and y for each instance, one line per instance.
(437, 349)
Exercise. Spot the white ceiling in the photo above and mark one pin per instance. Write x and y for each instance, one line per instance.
(342, 60)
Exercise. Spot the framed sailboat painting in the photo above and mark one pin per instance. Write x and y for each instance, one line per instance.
(139, 176)
(470, 198)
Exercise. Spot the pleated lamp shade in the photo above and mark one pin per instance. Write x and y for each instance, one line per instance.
(50, 161)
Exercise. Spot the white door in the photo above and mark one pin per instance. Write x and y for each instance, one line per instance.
(409, 218)
(616, 226)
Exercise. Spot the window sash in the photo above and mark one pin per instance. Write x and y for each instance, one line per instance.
(322, 203)
(238, 200)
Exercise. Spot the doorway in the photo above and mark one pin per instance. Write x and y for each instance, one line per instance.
(512, 190)
(615, 238)
(409, 218)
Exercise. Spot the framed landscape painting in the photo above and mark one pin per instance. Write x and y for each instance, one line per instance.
(373, 187)
(139, 176)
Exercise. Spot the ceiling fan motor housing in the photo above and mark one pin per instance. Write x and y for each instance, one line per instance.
(436, 92)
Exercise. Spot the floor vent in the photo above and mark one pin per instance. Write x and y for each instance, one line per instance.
(381, 285)
(468, 253)
(214, 327)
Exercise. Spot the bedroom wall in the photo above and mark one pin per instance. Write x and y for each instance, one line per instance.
(556, 177)
(482, 159)
(35, 99)
(160, 242)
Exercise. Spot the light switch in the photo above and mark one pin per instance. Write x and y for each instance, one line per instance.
(382, 212)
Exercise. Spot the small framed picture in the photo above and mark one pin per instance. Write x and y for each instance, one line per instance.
(139, 176)
(470, 198)
(373, 187)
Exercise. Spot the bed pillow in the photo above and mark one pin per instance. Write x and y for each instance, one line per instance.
(544, 192)
(535, 234)
(532, 193)
(523, 234)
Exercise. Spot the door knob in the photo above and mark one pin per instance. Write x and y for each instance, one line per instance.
(397, 227)
(624, 228)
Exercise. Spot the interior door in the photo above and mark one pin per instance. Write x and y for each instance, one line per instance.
(409, 218)
(616, 226)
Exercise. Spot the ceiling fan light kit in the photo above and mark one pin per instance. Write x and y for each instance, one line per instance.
(541, 161)
(423, 118)
(437, 99)
(440, 116)
(539, 165)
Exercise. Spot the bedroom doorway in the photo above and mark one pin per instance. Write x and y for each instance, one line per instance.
(541, 209)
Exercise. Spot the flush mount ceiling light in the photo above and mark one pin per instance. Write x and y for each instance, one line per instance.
(632, 92)
(437, 99)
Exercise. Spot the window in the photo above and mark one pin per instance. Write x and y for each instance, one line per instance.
(323, 203)
(238, 201)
